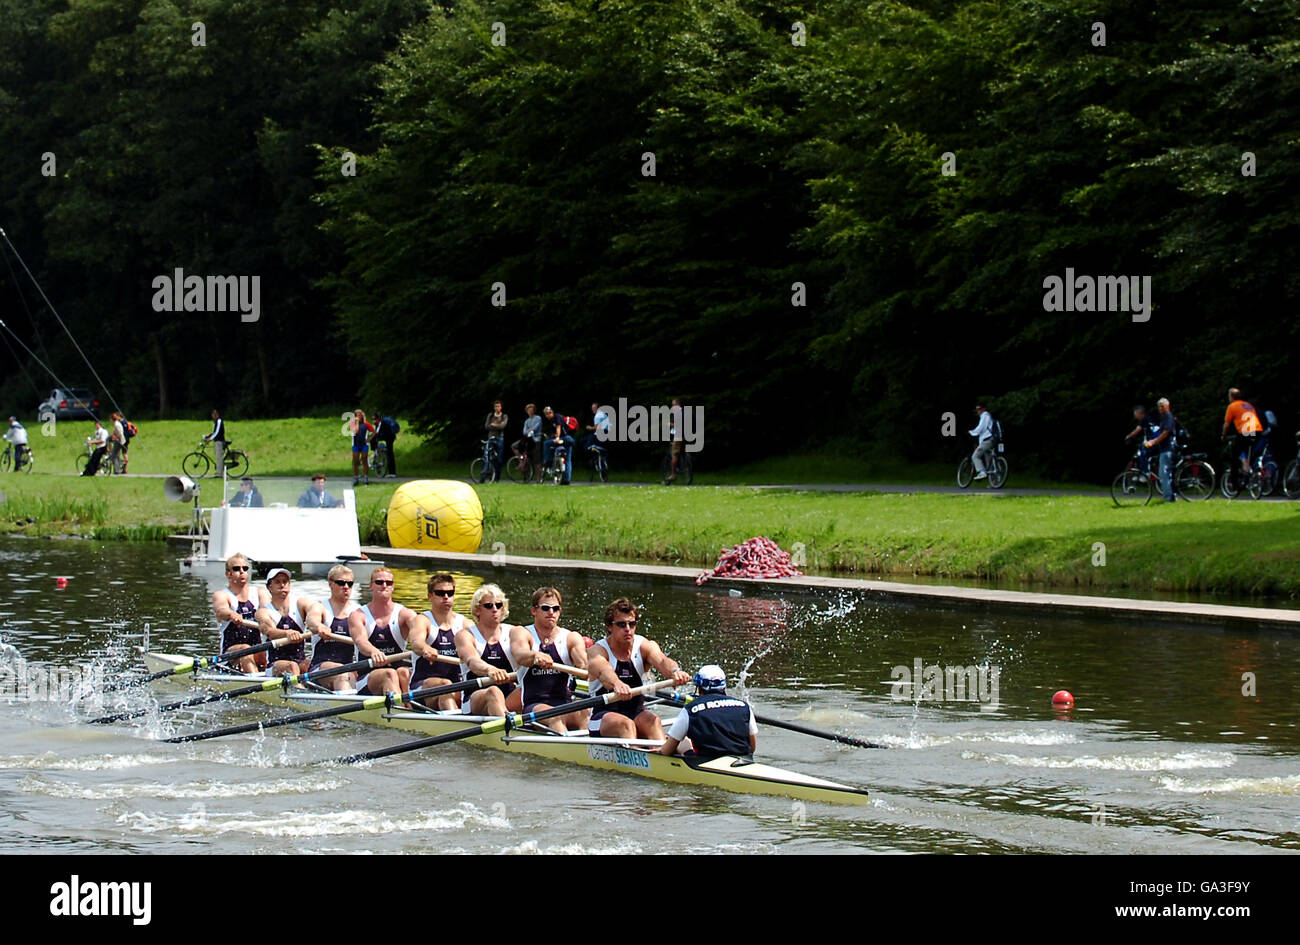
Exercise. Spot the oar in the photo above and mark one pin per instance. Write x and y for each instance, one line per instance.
(266, 685)
(202, 662)
(496, 725)
(370, 702)
(675, 699)
(558, 667)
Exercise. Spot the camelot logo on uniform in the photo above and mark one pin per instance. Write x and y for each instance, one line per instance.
(75, 898)
(182, 293)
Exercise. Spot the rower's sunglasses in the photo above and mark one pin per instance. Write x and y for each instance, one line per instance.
(624, 624)
(445, 593)
(549, 608)
(382, 583)
(344, 583)
(495, 605)
(238, 567)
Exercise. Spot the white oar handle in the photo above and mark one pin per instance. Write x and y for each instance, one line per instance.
(331, 635)
(399, 657)
(640, 690)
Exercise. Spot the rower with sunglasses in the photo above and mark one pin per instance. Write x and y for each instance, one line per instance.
(328, 620)
(380, 629)
(433, 635)
(535, 649)
(618, 664)
(484, 649)
(236, 608)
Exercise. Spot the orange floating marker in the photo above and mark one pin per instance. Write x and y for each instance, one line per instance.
(61, 583)
(1062, 697)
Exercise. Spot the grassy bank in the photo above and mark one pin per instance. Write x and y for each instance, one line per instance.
(1240, 548)
(302, 446)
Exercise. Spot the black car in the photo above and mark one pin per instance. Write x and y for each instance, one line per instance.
(76, 403)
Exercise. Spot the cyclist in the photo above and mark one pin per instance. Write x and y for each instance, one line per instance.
(495, 426)
(1242, 416)
(97, 442)
(556, 431)
(1148, 428)
(599, 421)
(17, 435)
(1163, 445)
(531, 441)
(985, 442)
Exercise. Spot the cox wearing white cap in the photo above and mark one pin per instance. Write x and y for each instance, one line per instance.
(717, 724)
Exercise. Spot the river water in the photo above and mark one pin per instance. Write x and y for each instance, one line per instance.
(1180, 741)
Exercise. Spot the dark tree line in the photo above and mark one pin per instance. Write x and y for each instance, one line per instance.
(912, 172)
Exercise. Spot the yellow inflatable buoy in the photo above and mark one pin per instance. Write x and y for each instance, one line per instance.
(437, 515)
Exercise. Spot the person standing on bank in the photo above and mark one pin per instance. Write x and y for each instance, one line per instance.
(1163, 445)
(218, 438)
(361, 431)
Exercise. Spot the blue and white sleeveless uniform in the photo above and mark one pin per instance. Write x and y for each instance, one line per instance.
(331, 651)
(631, 672)
(444, 641)
(494, 654)
(546, 685)
(717, 724)
(384, 637)
(290, 621)
(232, 634)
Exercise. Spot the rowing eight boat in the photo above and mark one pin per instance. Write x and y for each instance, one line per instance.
(612, 754)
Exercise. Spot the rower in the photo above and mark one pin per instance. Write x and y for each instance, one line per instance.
(484, 649)
(236, 607)
(717, 724)
(434, 635)
(328, 619)
(285, 617)
(379, 629)
(535, 649)
(618, 664)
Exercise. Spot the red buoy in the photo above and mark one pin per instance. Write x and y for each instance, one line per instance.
(61, 583)
(1062, 697)
(589, 642)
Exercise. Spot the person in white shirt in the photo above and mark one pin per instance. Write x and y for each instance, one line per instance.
(985, 443)
(17, 435)
(98, 442)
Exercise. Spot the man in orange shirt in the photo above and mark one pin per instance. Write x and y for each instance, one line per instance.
(1241, 415)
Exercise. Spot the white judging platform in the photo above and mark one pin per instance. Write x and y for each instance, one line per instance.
(308, 541)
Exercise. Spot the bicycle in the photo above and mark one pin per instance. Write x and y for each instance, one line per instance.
(379, 464)
(598, 461)
(1261, 481)
(105, 466)
(1290, 480)
(520, 466)
(685, 468)
(484, 469)
(553, 471)
(1193, 480)
(997, 471)
(7, 459)
(199, 464)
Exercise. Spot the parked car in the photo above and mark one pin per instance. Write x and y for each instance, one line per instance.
(76, 403)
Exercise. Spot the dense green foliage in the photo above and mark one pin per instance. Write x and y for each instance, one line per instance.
(775, 163)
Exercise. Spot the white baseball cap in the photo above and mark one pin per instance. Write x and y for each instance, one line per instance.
(270, 576)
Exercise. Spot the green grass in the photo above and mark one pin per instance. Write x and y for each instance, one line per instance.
(1241, 548)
